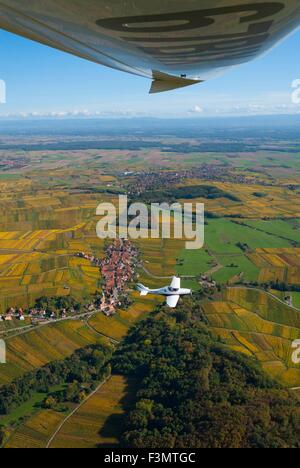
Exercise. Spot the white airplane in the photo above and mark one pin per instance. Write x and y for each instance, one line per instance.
(172, 292)
(175, 43)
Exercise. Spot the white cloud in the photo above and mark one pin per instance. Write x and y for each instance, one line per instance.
(196, 110)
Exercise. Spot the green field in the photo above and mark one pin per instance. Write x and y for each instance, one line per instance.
(221, 239)
(14, 324)
(296, 299)
(28, 408)
(287, 229)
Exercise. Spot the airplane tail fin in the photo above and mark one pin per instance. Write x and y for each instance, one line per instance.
(142, 289)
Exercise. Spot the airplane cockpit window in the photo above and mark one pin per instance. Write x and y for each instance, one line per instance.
(173, 289)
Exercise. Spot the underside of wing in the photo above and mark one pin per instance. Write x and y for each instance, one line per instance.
(172, 301)
(175, 43)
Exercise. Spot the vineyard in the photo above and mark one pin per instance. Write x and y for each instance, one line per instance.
(47, 343)
(99, 422)
(36, 431)
(281, 265)
(258, 325)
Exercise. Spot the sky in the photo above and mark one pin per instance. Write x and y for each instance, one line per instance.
(43, 82)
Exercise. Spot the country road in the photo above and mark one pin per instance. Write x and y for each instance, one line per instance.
(87, 316)
(164, 277)
(99, 333)
(268, 293)
(75, 411)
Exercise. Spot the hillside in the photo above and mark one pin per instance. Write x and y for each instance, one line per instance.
(48, 343)
(194, 392)
(255, 323)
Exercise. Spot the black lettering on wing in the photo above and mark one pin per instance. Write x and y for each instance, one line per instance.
(184, 21)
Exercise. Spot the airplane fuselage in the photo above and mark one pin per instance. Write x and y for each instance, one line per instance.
(167, 292)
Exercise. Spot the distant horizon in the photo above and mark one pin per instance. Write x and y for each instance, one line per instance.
(134, 119)
(85, 118)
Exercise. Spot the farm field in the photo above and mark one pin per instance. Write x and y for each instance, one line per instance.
(12, 325)
(222, 258)
(296, 299)
(99, 422)
(274, 203)
(288, 229)
(40, 346)
(27, 409)
(281, 265)
(117, 326)
(48, 267)
(258, 325)
(36, 431)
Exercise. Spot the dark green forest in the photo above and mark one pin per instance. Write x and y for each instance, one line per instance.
(188, 193)
(196, 393)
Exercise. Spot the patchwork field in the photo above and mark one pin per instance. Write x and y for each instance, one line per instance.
(45, 344)
(36, 431)
(48, 269)
(274, 203)
(256, 324)
(223, 258)
(117, 326)
(281, 265)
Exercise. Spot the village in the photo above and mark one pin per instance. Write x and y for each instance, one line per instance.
(118, 268)
(141, 182)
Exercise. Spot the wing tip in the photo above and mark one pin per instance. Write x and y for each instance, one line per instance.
(163, 82)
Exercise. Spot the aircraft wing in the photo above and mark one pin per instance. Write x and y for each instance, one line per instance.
(172, 301)
(176, 283)
(175, 43)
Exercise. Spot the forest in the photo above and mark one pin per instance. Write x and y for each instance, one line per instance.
(195, 392)
(187, 193)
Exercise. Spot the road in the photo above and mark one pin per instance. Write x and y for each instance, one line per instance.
(164, 277)
(268, 293)
(214, 269)
(86, 315)
(99, 333)
(75, 411)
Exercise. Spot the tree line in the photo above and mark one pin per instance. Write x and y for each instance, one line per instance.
(80, 372)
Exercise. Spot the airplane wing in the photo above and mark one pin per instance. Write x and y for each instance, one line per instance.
(172, 301)
(175, 43)
(176, 283)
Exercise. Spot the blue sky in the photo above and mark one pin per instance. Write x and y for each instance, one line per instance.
(43, 81)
